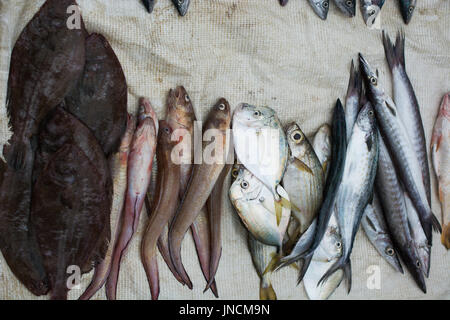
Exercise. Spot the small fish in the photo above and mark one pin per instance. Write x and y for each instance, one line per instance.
(164, 207)
(143, 147)
(304, 178)
(326, 254)
(348, 7)
(283, 2)
(260, 144)
(407, 104)
(370, 10)
(322, 147)
(356, 186)
(255, 205)
(407, 9)
(182, 6)
(440, 152)
(320, 7)
(401, 149)
(390, 193)
(119, 165)
(203, 179)
(149, 5)
(262, 257)
(375, 227)
(352, 101)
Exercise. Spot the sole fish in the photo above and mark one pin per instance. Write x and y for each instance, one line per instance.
(440, 151)
(140, 162)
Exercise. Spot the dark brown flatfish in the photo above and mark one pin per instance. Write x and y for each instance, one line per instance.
(17, 241)
(100, 98)
(68, 209)
(46, 62)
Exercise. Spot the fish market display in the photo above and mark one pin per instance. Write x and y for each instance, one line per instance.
(164, 206)
(322, 147)
(440, 151)
(99, 99)
(182, 6)
(140, 163)
(352, 101)
(402, 152)
(375, 227)
(262, 256)
(407, 8)
(348, 7)
(255, 205)
(119, 165)
(320, 7)
(43, 69)
(304, 178)
(370, 10)
(203, 179)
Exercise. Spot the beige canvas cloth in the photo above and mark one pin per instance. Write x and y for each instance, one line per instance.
(258, 52)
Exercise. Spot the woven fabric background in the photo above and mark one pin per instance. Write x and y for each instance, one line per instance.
(258, 52)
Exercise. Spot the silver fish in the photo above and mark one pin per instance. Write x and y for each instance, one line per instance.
(352, 101)
(322, 147)
(375, 227)
(262, 257)
(182, 6)
(407, 8)
(320, 7)
(392, 200)
(348, 7)
(304, 178)
(370, 10)
(399, 143)
(356, 186)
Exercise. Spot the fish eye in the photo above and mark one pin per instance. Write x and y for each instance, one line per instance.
(186, 98)
(244, 184)
(371, 113)
(166, 130)
(349, 3)
(235, 173)
(371, 12)
(390, 251)
(338, 244)
(418, 264)
(411, 9)
(325, 4)
(257, 113)
(297, 136)
(373, 80)
(221, 107)
(180, 1)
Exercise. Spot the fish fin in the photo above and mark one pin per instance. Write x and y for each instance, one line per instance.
(305, 265)
(391, 105)
(355, 81)
(369, 142)
(266, 291)
(272, 264)
(278, 211)
(445, 237)
(400, 48)
(345, 266)
(16, 153)
(325, 166)
(300, 165)
(390, 51)
(435, 223)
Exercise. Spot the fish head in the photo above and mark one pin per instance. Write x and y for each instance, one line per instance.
(180, 111)
(165, 135)
(235, 170)
(348, 7)
(370, 76)
(220, 115)
(423, 251)
(370, 13)
(297, 140)
(146, 112)
(407, 8)
(182, 6)
(414, 266)
(366, 120)
(252, 116)
(321, 7)
(246, 187)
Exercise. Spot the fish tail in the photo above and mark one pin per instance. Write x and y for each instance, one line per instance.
(355, 82)
(17, 152)
(272, 264)
(213, 287)
(175, 255)
(98, 280)
(163, 247)
(305, 265)
(436, 225)
(395, 55)
(343, 264)
(266, 291)
(445, 237)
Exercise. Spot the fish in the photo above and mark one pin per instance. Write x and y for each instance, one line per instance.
(407, 8)
(260, 144)
(46, 62)
(215, 208)
(99, 99)
(327, 253)
(118, 165)
(352, 101)
(440, 153)
(182, 6)
(262, 256)
(201, 183)
(390, 192)
(407, 104)
(322, 147)
(399, 143)
(304, 178)
(320, 7)
(255, 205)
(164, 207)
(356, 187)
(370, 10)
(283, 2)
(149, 5)
(140, 160)
(348, 7)
(68, 222)
(180, 117)
(375, 227)
(308, 243)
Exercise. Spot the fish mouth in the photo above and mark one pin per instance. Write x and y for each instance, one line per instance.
(370, 14)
